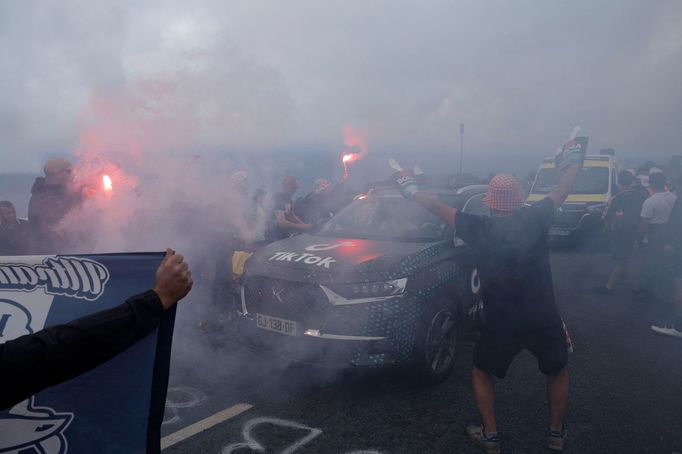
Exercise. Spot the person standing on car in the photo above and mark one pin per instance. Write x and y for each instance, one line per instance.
(621, 222)
(512, 256)
(284, 219)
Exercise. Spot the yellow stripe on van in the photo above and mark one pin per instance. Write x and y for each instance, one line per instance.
(588, 163)
(588, 198)
(573, 198)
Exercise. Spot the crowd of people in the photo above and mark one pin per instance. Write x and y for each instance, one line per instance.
(644, 221)
(260, 218)
(278, 217)
(52, 197)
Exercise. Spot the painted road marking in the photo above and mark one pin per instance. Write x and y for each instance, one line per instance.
(204, 424)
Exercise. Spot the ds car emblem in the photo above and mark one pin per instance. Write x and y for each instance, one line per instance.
(277, 294)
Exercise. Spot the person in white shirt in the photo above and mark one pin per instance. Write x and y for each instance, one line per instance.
(658, 267)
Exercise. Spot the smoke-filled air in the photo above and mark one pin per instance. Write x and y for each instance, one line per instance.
(381, 215)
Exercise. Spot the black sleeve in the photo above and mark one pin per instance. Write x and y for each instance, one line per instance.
(36, 361)
(613, 207)
(543, 212)
(469, 228)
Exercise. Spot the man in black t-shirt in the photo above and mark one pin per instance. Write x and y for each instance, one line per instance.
(284, 220)
(520, 312)
(622, 220)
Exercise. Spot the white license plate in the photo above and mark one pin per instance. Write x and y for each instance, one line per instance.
(278, 325)
(558, 232)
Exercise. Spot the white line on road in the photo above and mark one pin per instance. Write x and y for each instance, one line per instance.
(204, 424)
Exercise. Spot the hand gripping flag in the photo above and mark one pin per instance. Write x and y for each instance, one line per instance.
(116, 407)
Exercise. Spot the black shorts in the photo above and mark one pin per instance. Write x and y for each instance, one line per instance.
(498, 346)
(622, 246)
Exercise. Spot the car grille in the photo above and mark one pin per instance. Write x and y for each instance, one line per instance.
(290, 300)
(307, 304)
(567, 219)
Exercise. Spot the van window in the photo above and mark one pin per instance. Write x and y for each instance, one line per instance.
(592, 180)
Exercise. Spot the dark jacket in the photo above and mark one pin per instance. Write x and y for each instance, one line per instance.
(15, 238)
(315, 207)
(48, 357)
(49, 204)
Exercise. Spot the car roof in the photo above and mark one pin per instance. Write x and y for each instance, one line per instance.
(455, 196)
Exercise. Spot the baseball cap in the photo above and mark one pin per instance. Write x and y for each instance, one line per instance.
(55, 165)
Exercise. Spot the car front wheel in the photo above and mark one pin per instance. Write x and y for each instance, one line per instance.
(437, 345)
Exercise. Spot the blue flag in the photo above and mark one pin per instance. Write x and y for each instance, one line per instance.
(114, 408)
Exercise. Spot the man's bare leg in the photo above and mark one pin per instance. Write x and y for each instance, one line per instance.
(557, 390)
(484, 392)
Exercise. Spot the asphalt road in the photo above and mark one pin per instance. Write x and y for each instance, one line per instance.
(626, 391)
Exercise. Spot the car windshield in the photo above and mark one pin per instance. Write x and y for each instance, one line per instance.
(592, 180)
(386, 218)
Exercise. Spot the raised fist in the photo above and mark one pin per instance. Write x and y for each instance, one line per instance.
(573, 152)
(406, 183)
(173, 279)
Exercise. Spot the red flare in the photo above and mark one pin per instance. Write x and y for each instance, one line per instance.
(106, 182)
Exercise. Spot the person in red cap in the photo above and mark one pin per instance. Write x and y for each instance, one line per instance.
(512, 256)
(285, 221)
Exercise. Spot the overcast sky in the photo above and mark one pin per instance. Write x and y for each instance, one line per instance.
(258, 75)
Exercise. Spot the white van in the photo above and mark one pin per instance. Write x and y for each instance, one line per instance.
(582, 213)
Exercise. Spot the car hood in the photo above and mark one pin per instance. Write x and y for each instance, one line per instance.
(327, 259)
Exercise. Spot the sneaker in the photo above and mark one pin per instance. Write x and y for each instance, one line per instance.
(602, 290)
(491, 445)
(556, 439)
(667, 330)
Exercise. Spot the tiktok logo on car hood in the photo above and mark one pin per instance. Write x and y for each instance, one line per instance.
(28, 429)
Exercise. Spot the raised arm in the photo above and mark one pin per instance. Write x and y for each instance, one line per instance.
(569, 161)
(283, 222)
(443, 211)
(408, 188)
(565, 186)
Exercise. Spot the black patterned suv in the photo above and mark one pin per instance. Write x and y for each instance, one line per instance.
(381, 283)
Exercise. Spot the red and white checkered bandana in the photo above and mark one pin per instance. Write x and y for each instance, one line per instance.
(504, 193)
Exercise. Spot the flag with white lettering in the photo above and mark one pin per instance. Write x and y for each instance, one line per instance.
(114, 408)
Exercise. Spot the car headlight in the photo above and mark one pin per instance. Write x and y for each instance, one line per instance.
(365, 291)
(598, 209)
